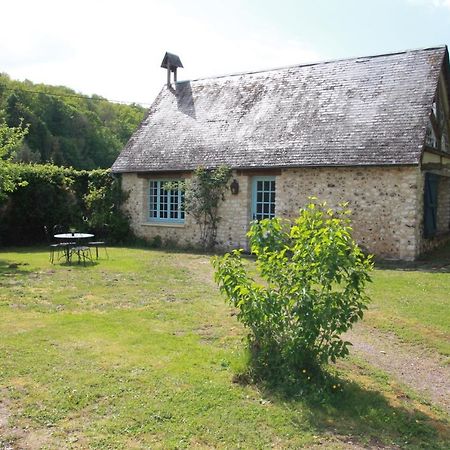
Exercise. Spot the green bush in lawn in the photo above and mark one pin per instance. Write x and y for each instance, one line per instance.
(315, 276)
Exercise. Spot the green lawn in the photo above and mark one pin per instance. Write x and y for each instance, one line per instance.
(413, 304)
(139, 351)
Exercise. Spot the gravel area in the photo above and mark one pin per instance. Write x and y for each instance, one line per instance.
(419, 368)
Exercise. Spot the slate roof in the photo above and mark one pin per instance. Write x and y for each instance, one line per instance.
(361, 111)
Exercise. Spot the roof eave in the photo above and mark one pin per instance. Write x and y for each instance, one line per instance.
(159, 170)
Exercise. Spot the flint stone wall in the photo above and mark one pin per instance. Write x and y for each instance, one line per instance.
(232, 230)
(386, 204)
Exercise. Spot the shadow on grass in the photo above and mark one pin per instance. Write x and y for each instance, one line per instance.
(19, 264)
(8, 268)
(356, 414)
(173, 249)
(437, 261)
(438, 266)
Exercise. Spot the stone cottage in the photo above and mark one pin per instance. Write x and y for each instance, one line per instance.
(373, 131)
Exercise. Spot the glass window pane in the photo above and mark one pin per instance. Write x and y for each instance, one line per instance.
(164, 204)
(264, 199)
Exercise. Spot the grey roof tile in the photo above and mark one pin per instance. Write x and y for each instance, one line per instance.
(362, 111)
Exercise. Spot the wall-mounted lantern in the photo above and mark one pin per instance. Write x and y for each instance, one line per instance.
(234, 187)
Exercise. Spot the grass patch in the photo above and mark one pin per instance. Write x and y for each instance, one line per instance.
(140, 351)
(412, 304)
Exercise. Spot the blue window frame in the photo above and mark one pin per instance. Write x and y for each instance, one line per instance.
(263, 198)
(166, 205)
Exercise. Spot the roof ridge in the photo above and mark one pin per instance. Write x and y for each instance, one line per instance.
(308, 64)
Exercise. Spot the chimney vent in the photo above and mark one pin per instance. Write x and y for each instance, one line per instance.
(171, 62)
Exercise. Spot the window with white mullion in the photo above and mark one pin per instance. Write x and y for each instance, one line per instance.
(263, 201)
(165, 205)
(174, 203)
(154, 200)
(181, 202)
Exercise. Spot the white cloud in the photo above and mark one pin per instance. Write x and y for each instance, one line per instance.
(432, 3)
(114, 48)
(441, 3)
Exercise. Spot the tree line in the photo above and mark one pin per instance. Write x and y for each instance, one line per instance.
(64, 127)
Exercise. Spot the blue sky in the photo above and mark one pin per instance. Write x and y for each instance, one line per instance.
(114, 48)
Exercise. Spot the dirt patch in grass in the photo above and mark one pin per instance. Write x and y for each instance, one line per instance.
(419, 368)
(6, 437)
(338, 442)
(14, 438)
(4, 415)
(208, 334)
(33, 439)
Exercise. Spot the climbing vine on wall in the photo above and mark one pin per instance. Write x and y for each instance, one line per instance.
(204, 192)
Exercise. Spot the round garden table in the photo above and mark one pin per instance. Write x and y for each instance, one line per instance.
(73, 236)
(70, 237)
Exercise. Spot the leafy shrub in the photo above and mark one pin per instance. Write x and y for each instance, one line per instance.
(47, 197)
(50, 195)
(315, 276)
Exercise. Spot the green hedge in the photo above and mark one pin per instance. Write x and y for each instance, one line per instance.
(51, 195)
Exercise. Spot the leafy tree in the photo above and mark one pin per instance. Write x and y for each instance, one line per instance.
(24, 154)
(10, 140)
(67, 128)
(315, 275)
